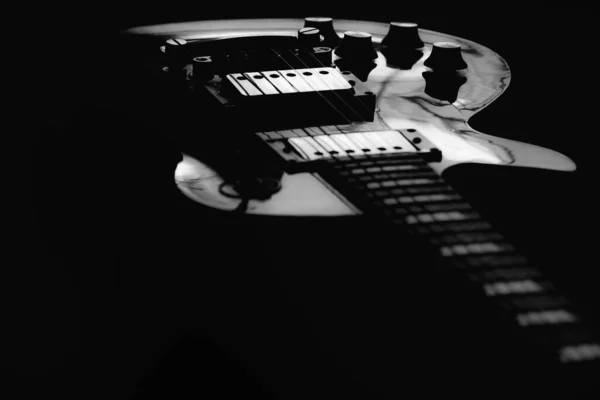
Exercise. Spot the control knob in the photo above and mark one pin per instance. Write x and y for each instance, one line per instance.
(445, 56)
(325, 26)
(356, 47)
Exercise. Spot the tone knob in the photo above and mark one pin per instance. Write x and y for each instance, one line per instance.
(356, 46)
(402, 36)
(445, 56)
(442, 85)
(175, 46)
(309, 37)
(323, 55)
(175, 52)
(203, 68)
(325, 26)
(360, 70)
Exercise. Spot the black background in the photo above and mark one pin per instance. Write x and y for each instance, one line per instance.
(64, 289)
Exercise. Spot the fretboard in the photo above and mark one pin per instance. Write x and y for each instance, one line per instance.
(405, 191)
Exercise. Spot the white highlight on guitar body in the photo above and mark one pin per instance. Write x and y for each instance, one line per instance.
(302, 194)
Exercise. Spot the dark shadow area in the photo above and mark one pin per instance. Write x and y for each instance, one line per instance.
(195, 368)
(122, 290)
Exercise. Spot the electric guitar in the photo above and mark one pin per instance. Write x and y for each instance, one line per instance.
(358, 120)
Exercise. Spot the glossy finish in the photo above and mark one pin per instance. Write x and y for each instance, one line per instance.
(445, 56)
(356, 46)
(404, 101)
(325, 26)
(402, 36)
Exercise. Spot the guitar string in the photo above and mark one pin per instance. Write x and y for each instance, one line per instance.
(332, 104)
(379, 146)
(333, 153)
(322, 79)
(366, 154)
(349, 121)
(374, 144)
(366, 151)
(356, 113)
(358, 146)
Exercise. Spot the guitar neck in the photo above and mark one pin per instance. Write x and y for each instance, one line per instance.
(404, 191)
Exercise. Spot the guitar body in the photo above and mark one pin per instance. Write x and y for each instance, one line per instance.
(402, 104)
(349, 292)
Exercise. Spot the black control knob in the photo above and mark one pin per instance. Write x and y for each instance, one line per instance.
(175, 53)
(357, 47)
(175, 47)
(309, 37)
(402, 46)
(203, 68)
(402, 36)
(360, 70)
(443, 85)
(323, 56)
(325, 26)
(445, 56)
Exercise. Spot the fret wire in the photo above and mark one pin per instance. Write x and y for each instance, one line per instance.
(484, 258)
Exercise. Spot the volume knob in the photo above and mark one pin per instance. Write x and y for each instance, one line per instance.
(402, 46)
(445, 56)
(325, 26)
(175, 53)
(443, 86)
(357, 46)
(402, 36)
(309, 37)
(174, 48)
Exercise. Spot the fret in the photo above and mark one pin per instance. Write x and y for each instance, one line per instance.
(534, 302)
(503, 274)
(475, 248)
(516, 287)
(581, 352)
(447, 206)
(427, 218)
(404, 190)
(394, 168)
(465, 238)
(439, 188)
(495, 261)
(545, 317)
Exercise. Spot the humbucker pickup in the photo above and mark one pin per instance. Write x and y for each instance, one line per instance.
(301, 147)
(295, 98)
(287, 82)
